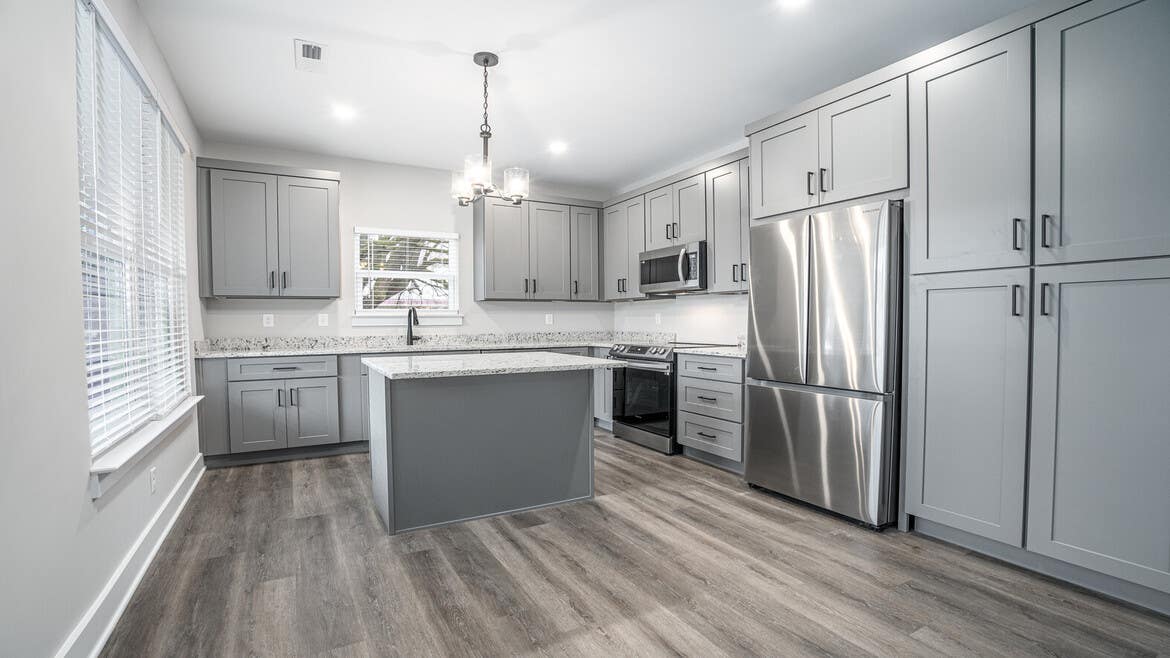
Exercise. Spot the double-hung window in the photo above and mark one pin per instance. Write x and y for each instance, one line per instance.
(397, 269)
(133, 256)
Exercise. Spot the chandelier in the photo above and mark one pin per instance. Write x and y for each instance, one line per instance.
(475, 181)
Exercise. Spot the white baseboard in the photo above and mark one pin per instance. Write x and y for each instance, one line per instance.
(603, 423)
(91, 633)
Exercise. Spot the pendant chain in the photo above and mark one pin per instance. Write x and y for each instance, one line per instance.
(485, 129)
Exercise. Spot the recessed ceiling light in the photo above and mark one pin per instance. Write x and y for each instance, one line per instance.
(557, 147)
(343, 112)
(792, 5)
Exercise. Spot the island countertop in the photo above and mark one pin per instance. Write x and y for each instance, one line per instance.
(467, 365)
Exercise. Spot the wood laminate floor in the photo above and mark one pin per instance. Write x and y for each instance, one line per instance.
(672, 558)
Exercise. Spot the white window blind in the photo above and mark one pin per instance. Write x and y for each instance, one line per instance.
(395, 269)
(133, 257)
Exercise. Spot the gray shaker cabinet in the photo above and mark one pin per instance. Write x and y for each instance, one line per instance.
(660, 218)
(1102, 139)
(1098, 491)
(784, 167)
(727, 227)
(311, 411)
(271, 235)
(616, 265)
(970, 153)
(256, 415)
(689, 199)
(503, 250)
(351, 399)
(967, 400)
(244, 249)
(549, 249)
(863, 147)
(583, 237)
(635, 245)
(308, 237)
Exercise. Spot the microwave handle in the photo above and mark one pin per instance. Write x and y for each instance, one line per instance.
(682, 258)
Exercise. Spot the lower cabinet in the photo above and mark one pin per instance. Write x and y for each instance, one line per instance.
(967, 401)
(602, 389)
(709, 403)
(1098, 490)
(274, 414)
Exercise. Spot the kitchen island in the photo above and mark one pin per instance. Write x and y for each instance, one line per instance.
(459, 437)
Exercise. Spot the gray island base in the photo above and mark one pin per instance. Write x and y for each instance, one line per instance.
(460, 437)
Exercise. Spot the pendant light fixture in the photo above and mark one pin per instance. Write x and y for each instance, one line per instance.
(475, 181)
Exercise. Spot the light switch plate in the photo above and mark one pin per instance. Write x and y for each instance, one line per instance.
(153, 479)
(548, 318)
(268, 320)
(322, 319)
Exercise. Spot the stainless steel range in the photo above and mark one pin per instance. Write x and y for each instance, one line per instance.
(643, 394)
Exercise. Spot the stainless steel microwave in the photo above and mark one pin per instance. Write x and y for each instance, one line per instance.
(682, 268)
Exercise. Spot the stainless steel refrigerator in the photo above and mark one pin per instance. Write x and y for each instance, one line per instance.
(823, 359)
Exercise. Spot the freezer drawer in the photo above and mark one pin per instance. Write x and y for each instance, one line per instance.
(833, 451)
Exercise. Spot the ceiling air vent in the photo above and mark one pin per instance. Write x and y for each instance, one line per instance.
(309, 56)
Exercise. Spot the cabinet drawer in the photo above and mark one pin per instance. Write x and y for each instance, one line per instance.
(281, 367)
(711, 398)
(718, 368)
(718, 437)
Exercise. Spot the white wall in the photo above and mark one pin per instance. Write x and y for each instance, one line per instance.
(59, 548)
(381, 195)
(701, 318)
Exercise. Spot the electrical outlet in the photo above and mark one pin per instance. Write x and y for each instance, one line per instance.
(153, 479)
(268, 320)
(657, 318)
(322, 319)
(548, 318)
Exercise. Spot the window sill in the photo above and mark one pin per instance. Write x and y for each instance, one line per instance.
(445, 320)
(111, 466)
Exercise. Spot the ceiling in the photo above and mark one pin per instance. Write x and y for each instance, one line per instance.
(634, 87)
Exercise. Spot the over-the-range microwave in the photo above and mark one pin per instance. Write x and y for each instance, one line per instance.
(681, 268)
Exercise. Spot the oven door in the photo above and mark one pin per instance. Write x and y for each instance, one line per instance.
(643, 396)
(673, 269)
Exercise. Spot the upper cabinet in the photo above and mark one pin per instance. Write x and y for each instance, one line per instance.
(727, 227)
(659, 218)
(970, 158)
(852, 148)
(534, 251)
(625, 228)
(265, 234)
(583, 263)
(677, 214)
(1102, 144)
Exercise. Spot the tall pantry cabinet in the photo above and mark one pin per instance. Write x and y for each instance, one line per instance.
(1074, 301)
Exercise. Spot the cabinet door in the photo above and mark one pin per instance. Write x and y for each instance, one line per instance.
(256, 419)
(602, 389)
(583, 240)
(659, 218)
(351, 406)
(726, 224)
(617, 261)
(967, 401)
(243, 234)
(970, 147)
(784, 167)
(1102, 145)
(506, 250)
(549, 251)
(863, 143)
(312, 411)
(308, 226)
(636, 232)
(690, 210)
(1099, 495)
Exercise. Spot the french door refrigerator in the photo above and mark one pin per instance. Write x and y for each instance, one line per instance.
(823, 359)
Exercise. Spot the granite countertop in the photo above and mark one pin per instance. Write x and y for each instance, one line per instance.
(731, 352)
(465, 365)
(394, 349)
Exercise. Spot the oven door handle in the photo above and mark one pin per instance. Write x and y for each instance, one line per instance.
(656, 367)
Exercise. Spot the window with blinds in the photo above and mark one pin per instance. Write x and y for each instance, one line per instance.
(133, 258)
(394, 270)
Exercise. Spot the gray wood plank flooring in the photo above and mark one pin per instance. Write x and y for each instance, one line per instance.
(672, 558)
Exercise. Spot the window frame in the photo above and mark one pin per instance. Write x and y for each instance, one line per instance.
(164, 357)
(371, 317)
